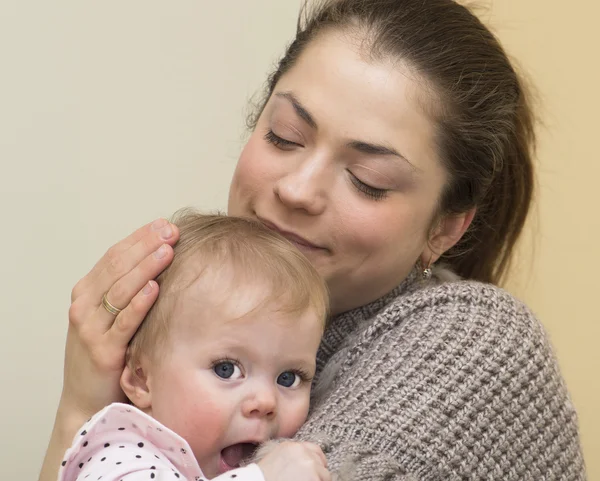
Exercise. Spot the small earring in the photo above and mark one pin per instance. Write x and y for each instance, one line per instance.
(427, 272)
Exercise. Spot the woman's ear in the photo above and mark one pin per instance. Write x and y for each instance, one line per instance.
(447, 233)
(135, 382)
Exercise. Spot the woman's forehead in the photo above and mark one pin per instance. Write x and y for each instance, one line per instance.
(349, 96)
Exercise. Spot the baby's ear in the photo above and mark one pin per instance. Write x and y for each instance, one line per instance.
(136, 386)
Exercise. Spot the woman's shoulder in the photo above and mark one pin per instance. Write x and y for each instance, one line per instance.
(461, 304)
(451, 379)
(481, 324)
(460, 291)
(452, 319)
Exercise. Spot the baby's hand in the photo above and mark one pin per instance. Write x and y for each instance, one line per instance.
(295, 461)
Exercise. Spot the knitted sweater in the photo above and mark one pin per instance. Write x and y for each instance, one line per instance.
(442, 381)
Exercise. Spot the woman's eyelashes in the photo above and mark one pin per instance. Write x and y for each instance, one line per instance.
(369, 191)
(363, 188)
(279, 142)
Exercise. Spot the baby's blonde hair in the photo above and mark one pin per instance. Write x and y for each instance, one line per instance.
(244, 246)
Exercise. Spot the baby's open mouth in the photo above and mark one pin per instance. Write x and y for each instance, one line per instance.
(235, 454)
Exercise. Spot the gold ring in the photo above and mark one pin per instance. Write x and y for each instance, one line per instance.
(109, 307)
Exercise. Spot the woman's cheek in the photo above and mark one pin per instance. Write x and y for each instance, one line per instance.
(244, 183)
(253, 163)
(362, 225)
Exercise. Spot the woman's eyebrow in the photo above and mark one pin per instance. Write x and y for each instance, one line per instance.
(358, 145)
(299, 108)
(374, 149)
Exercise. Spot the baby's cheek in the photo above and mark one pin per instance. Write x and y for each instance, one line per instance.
(202, 425)
(293, 419)
(201, 411)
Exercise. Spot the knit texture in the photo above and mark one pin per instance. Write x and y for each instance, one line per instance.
(453, 380)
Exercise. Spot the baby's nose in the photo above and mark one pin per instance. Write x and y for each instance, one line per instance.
(261, 402)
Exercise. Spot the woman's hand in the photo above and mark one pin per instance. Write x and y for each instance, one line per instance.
(97, 340)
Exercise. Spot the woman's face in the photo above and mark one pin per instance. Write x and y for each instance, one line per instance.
(343, 162)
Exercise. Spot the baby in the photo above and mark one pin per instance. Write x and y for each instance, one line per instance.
(222, 363)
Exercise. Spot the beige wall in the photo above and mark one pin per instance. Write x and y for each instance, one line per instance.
(112, 113)
(557, 44)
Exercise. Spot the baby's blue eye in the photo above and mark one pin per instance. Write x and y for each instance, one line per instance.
(227, 370)
(288, 379)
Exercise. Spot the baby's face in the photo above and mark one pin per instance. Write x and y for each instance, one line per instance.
(233, 375)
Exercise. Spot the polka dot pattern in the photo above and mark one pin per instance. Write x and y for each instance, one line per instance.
(121, 443)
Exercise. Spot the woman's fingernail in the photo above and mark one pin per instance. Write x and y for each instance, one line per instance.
(147, 288)
(158, 223)
(167, 232)
(161, 252)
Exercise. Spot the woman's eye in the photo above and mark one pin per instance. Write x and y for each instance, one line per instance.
(227, 370)
(289, 379)
(279, 142)
(371, 192)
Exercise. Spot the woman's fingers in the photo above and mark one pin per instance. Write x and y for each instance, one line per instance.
(123, 256)
(122, 292)
(97, 339)
(128, 321)
(120, 247)
(121, 262)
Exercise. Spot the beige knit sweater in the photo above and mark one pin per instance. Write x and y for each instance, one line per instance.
(443, 381)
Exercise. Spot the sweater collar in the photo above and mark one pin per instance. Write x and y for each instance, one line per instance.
(343, 325)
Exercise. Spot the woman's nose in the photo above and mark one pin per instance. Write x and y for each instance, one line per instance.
(261, 402)
(304, 188)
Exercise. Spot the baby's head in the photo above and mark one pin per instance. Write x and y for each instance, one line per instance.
(226, 355)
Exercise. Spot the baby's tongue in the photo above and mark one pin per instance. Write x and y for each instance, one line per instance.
(233, 455)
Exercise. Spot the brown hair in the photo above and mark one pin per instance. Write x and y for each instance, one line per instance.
(485, 126)
(248, 248)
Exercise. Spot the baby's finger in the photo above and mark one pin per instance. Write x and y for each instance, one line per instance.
(323, 474)
(128, 321)
(316, 449)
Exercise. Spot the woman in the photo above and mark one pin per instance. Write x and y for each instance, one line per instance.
(394, 134)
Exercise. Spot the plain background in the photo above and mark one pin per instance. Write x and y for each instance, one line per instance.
(115, 113)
